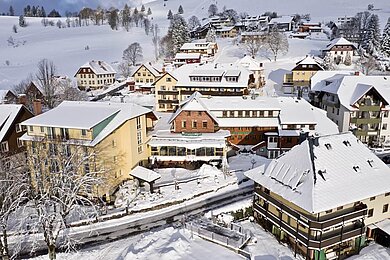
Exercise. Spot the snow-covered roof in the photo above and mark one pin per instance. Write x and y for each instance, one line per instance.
(193, 103)
(332, 171)
(167, 138)
(281, 20)
(145, 174)
(250, 63)
(184, 73)
(150, 68)
(86, 115)
(184, 56)
(99, 67)
(350, 89)
(4, 93)
(317, 81)
(8, 114)
(196, 46)
(339, 42)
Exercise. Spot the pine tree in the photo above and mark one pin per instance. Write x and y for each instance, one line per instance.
(348, 59)
(11, 11)
(371, 38)
(170, 15)
(180, 10)
(385, 43)
(211, 35)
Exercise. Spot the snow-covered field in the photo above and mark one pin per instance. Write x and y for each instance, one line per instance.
(66, 46)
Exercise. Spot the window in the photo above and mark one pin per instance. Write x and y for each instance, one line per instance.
(83, 132)
(139, 138)
(194, 124)
(20, 142)
(184, 124)
(224, 113)
(385, 208)
(204, 124)
(370, 213)
(18, 128)
(4, 147)
(261, 113)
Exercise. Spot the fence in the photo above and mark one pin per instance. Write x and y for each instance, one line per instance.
(236, 243)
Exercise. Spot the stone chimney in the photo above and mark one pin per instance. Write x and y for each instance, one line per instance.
(37, 107)
(22, 99)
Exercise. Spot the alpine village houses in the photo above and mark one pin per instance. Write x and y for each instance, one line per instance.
(323, 208)
(95, 75)
(112, 136)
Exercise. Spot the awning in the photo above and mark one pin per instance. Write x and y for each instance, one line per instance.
(384, 225)
(144, 174)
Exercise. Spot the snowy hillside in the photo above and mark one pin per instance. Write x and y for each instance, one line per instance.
(66, 46)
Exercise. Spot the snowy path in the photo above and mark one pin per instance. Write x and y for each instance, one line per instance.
(125, 226)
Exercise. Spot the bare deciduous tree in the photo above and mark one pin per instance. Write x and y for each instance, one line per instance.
(133, 53)
(45, 76)
(252, 45)
(276, 42)
(14, 187)
(64, 181)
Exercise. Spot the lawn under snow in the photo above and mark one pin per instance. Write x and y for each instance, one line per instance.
(66, 46)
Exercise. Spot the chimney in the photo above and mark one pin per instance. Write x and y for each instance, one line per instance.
(22, 99)
(37, 107)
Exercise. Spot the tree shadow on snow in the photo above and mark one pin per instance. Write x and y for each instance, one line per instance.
(277, 75)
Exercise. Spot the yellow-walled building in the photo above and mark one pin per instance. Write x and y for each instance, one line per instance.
(300, 75)
(109, 138)
(166, 93)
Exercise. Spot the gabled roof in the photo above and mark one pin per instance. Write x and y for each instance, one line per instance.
(339, 42)
(349, 88)
(8, 114)
(308, 60)
(150, 68)
(193, 103)
(86, 115)
(250, 63)
(160, 78)
(4, 93)
(331, 171)
(98, 67)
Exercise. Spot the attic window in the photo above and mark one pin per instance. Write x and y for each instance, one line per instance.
(328, 146)
(370, 162)
(356, 168)
(346, 143)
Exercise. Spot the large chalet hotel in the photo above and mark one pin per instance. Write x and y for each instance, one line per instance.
(205, 128)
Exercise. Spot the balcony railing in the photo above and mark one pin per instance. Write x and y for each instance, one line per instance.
(314, 223)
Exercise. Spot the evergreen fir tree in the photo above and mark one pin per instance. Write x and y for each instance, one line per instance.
(371, 38)
(180, 10)
(211, 35)
(348, 59)
(11, 11)
(170, 15)
(385, 43)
